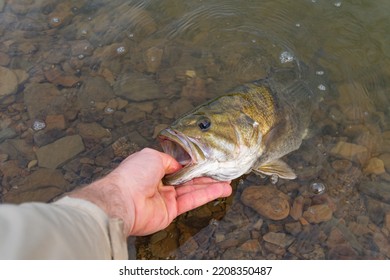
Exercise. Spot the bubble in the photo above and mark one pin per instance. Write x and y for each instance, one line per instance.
(286, 57)
(320, 72)
(274, 179)
(38, 125)
(317, 188)
(321, 87)
(84, 32)
(109, 110)
(337, 4)
(298, 24)
(80, 56)
(121, 50)
(55, 20)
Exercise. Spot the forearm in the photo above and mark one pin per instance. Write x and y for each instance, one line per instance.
(66, 229)
(106, 194)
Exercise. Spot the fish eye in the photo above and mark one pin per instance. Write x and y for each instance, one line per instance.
(204, 124)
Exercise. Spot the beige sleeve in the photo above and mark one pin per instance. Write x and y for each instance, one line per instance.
(69, 228)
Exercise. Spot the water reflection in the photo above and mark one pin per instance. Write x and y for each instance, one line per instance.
(108, 75)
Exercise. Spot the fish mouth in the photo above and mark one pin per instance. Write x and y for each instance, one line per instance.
(178, 146)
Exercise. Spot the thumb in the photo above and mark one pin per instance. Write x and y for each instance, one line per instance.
(169, 163)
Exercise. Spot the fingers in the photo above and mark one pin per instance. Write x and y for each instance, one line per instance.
(197, 184)
(194, 196)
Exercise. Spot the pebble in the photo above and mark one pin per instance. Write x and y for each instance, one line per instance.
(374, 166)
(62, 150)
(92, 131)
(55, 122)
(8, 82)
(137, 87)
(341, 165)
(318, 213)
(250, 246)
(297, 208)
(350, 151)
(280, 239)
(152, 58)
(267, 201)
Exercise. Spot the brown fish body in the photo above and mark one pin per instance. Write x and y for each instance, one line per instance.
(248, 129)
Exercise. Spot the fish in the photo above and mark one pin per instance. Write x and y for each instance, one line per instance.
(248, 129)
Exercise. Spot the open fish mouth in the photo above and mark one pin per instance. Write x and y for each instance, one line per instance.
(177, 145)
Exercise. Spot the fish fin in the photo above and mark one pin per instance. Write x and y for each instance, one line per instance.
(276, 167)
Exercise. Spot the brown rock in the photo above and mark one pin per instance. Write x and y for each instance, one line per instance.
(386, 160)
(42, 185)
(8, 82)
(318, 213)
(297, 208)
(153, 58)
(55, 122)
(92, 131)
(293, 228)
(93, 90)
(267, 201)
(54, 154)
(281, 239)
(374, 166)
(341, 165)
(387, 221)
(251, 246)
(4, 59)
(56, 76)
(350, 151)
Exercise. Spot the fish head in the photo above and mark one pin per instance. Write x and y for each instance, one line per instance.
(214, 142)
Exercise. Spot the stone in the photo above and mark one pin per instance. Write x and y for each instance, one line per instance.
(318, 213)
(293, 228)
(62, 150)
(7, 133)
(267, 201)
(55, 122)
(94, 89)
(297, 208)
(22, 75)
(42, 99)
(385, 157)
(341, 165)
(374, 166)
(382, 243)
(44, 137)
(195, 89)
(8, 82)
(59, 78)
(92, 131)
(42, 185)
(280, 239)
(137, 87)
(350, 151)
(152, 58)
(123, 147)
(376, 190)
(387, 221)
(18, 149)
(251, 246)
(4, 59)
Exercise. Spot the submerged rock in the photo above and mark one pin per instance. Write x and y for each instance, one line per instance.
(318, 213)
(8, 82)
(267, 201)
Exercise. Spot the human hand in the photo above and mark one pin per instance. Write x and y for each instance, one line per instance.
(135, 193)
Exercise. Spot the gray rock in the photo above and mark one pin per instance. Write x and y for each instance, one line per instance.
(94, 89)
(62, 150)
(281, 239)
(137, 87)
(7, 133)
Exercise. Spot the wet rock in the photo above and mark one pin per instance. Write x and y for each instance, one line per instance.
(293, 228)
(297, 208)
(42, 185)
(374, 166)
(133, 114)
(317, 254)
(8, 82)
(55, 122)
(92, 131)
(10, 169)
(275, 249)
(44, 137)
(4, 59)
(61, 15)
(42, 99)
(267, 201)
(350, 151)
(280, 239)
(81, 48)
(376, 190)
(59, 78)
(386, 160)
(137, 87)
(7, 133)
(152, 58)
(318, 213)
(18, 149)
(250, 246)
(341, 165)
(94, 89)
(62, 150)
(123, 147)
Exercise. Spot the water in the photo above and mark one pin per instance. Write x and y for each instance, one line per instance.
(116, 72)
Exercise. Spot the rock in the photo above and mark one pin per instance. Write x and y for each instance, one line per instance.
(386, 160)
(374, 166)
(32, 164)
(44, 137)
(152, 58)
(18, 149)
(123, 147)
(318, 213)
(4, 59)
(251, 246)
(8, 82)
(267, 201)
(376, 190)
(293, 228)
(341, 165)
(7, 133)
(43, 99)
(55, 122)
(94, 89)
(297, 208)
(350, 151)
(81, 48)
(42, 185)
(387, 221)
(280, 239)
(158, 236)
(3, 157)
(382, 243)
(59, 78)
(137, 87)
(195, 90)
(62, 150)
(92, 131)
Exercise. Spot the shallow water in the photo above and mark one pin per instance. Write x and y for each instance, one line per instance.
(106, 76)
